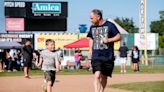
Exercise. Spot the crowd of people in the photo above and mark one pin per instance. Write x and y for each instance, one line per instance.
(11, 59)
(17, 59)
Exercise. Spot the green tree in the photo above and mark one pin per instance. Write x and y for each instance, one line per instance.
(161, 15)
(161, 41)
(127, 24)
(158, 27)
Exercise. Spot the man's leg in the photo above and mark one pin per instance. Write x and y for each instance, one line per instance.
(121, 67)
(103, 82)
(26, 71)
(97, 82)
(1, 66)
(124, 67)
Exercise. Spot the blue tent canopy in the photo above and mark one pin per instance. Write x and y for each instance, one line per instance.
(8, 45)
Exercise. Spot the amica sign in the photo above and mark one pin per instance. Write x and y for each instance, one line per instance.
(46, 7)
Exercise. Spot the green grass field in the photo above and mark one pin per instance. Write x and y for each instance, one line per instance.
(157, 86)
(40, 72)
(144, 69)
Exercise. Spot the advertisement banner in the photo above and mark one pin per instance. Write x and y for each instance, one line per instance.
(60, 39)
(151, 41)
(14, 24)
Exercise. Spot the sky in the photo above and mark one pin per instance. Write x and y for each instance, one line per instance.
(79, 10)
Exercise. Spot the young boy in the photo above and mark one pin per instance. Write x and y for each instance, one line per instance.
(50, 64)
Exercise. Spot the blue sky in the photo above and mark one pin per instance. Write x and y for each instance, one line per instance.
(78, 11)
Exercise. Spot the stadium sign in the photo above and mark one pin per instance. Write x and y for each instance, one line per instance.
(15, 4)
(46, 7)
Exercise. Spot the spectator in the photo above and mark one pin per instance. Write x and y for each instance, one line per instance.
(2, 60)
(60, 56)
(135, 58)
(27, 57)
(36, 57)
(123, 57)
(77, 59)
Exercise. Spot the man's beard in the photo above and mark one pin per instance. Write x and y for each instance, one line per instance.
(96, 24)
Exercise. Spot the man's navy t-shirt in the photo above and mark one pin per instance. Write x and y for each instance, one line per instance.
(100, 50)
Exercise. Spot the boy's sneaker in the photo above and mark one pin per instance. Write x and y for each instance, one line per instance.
(124, 71)
(121, 71)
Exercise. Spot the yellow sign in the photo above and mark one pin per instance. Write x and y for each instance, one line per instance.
(60, 39)
(116, 45)
(83, 35)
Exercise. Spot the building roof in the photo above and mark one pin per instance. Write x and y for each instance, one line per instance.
(121, 30)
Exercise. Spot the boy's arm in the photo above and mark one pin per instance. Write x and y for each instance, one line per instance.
(40, 61)
(57, 63)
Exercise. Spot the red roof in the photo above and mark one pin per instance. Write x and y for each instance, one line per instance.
(81, 43)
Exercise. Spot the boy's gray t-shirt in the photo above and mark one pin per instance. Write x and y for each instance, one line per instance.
(48, 60)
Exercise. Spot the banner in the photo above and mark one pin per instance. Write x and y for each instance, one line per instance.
(152, 41)
(15, 24)
(60, 39)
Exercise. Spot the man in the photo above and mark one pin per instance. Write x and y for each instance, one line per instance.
(2, 60)
(27, 57)
(123, 57)
(102, 36)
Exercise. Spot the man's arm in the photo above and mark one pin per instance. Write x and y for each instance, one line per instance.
(90, 47)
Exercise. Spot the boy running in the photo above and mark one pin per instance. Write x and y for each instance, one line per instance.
(50, 64)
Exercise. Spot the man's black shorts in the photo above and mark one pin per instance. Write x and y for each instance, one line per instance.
(106, 67)
(27, 62)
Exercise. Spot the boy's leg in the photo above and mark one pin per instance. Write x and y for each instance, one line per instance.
(49, 86)
(44, 86)
(97, 82)
(50, 79)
